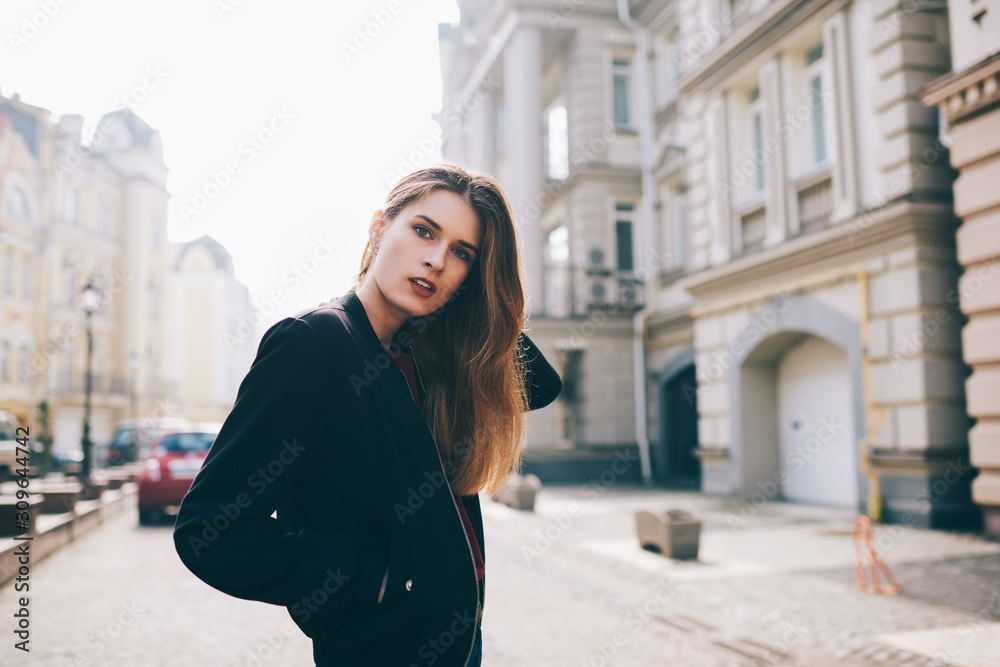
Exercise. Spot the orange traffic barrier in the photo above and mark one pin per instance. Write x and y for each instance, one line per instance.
(863, 544)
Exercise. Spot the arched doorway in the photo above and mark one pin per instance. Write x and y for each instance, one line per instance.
(676, 464)
(796, 405)
(815, 425)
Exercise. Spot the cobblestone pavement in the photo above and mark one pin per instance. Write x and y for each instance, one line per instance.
(567, 585)
(120, 596)
(776, 586)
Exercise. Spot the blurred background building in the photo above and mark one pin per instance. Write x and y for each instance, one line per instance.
(216, 331)
(72, 214)
(740, 236)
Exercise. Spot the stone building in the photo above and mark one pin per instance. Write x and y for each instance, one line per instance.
(71, 214)
(969, 101)
(782, 203)
(525, 99)
(217, 331)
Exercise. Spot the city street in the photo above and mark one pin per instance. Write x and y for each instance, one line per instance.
(567, 585)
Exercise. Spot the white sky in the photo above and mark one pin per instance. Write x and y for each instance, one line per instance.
(222, 69)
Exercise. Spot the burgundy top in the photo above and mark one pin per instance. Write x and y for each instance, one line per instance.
(404, 362)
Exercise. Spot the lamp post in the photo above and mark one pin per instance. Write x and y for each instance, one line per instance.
(90, 302)
(133, 371)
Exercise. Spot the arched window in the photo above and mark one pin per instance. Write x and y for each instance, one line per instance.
(69, 275)
(17, 203)
(26, 276)
(73, 206)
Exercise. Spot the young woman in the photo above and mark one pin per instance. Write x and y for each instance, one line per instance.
(344, 483)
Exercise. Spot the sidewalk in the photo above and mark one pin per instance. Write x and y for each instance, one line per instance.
(784, 575)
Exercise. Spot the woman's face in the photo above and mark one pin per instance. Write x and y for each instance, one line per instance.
(433, 241)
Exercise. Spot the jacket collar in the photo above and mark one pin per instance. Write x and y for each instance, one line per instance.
(356, 309)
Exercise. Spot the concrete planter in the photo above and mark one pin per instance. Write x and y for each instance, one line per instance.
(59, 497)
(519, 492)
(93, 489)
(673, 533)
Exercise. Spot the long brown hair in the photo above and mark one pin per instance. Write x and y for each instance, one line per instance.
(467, 351)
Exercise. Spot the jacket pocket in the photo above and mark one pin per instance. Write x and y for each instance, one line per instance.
(400, 581)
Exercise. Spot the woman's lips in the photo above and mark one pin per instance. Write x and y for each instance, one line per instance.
(422, 291)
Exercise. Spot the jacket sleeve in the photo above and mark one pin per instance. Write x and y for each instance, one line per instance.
(225, 533)
(542, 381)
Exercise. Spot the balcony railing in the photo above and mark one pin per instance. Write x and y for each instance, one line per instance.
(754, 226)
(574, 291)
(815, 203)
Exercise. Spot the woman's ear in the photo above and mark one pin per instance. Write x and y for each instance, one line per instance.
(375, 228)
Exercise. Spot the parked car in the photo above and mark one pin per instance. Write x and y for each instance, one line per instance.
(133, 438)
(173, 462)
(68, 462)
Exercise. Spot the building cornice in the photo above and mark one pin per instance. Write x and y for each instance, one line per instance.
(601, 172)
(673, 324)
(751, 39)
(853, 241)
(963, 94)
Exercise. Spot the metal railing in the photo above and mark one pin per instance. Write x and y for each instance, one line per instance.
(754, 226)
(815, 204)
(572, 291)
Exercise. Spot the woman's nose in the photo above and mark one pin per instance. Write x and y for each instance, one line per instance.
(435, 258)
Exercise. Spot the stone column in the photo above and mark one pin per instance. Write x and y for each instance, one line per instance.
(522, 65)
(483, 136)
(845, 169)
(774, 153)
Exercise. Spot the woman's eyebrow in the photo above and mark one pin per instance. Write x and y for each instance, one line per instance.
(438, 227)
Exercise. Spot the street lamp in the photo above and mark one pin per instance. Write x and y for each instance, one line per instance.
(90, 302)
(133, 371)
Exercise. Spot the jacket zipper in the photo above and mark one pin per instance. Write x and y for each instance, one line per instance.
(468, 543)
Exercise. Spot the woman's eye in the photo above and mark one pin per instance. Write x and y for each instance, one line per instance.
(462, 254)
(421, 228)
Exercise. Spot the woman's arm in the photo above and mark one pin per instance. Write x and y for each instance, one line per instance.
(225, 532)
(542, 381)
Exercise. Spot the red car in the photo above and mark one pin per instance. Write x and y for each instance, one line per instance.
(173, 462)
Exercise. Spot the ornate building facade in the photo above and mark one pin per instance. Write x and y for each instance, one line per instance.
(969, 101)
(763, 180)
(72, 214)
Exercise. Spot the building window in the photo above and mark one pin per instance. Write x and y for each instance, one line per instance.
(816, 99)
(757, 138)
(675, 232)
(69, 274)
(26, 277)
(622, 82)
(557, 142)
(558, 296)
(559, 245)
(105, 219)
(23, 369)
(67, 369)
(623, 236)
(8, 271)
(73, 206)
(17, 203)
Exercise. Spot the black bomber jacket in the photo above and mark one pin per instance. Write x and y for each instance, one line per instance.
(325, 436)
